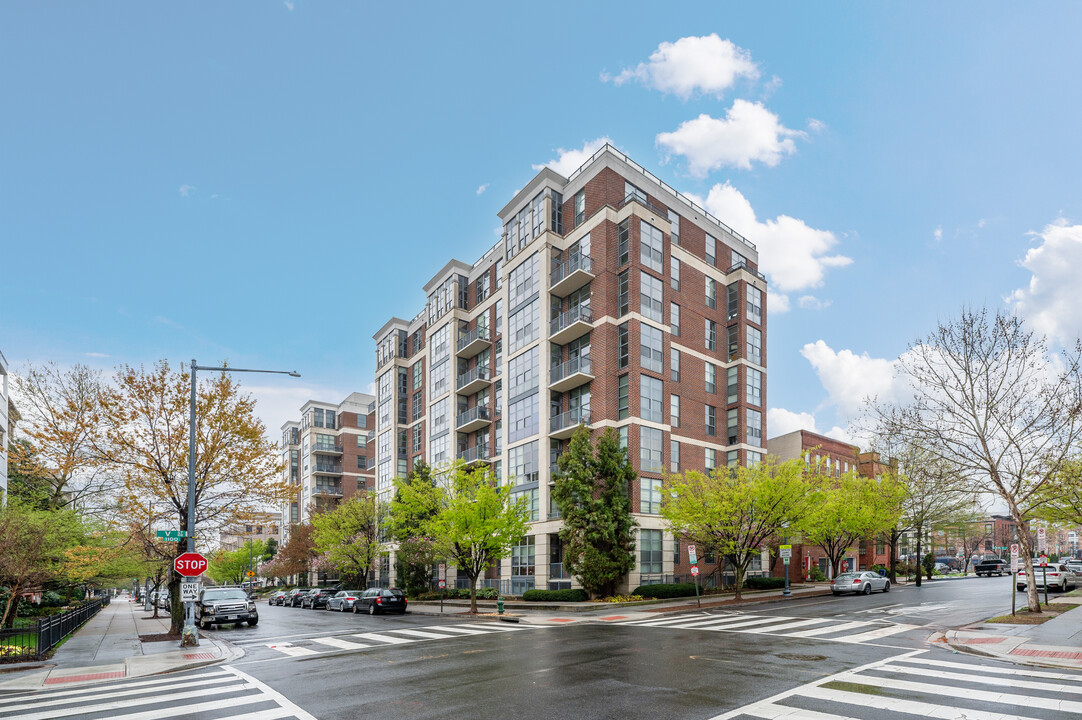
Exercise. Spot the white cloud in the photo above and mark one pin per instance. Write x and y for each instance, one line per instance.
(706, 64)
(1052, 302)
(748, 133)
(981, 223)
(482, 188)
(186, 190)
(278, 403)
(794, 255)
(780, 421)
(96, 355)
(370, 388)
(289, 5)
(816, 126)
(779, 303)
(938, 233)
(770, 88)
(568, 161)
(810, 302)
(849, 378)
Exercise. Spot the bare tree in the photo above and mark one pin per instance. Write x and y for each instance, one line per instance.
(991, 402)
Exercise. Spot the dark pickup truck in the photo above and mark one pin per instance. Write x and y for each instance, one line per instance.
(994, 566)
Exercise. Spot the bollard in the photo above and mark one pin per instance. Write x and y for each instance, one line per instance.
(499, 605)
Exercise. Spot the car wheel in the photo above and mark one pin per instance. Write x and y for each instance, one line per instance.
(886, 588)
(372, 609)
(835, 593)
(253, 623)
(867, 589)
(356, 609)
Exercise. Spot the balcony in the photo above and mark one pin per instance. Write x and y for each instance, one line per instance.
(327, 468)
(327, 490)
(474, 455)
(570, 325)
(327, 449)
(474, 419)
(473, 380)
(565, 424)
(570, 374)
(472, 342)
(567, 277)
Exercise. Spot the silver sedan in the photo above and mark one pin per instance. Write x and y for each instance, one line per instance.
(859, 582)
(343, 600)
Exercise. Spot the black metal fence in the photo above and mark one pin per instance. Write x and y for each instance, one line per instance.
(31, 642)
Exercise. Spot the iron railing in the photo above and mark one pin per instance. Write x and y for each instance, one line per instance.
(33, 641)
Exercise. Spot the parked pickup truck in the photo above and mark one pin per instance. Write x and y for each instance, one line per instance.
(993, 566)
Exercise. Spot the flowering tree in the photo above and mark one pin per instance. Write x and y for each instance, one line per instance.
(347, 538)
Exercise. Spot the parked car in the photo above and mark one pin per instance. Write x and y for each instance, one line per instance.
(223, 605)
(1074, 566)
(377, 600)
(293, 599)
(859, 582)
(343, 600)
(317, 598)
(163, 599)
(992, 566)
(1059, 577)
(952, 563)
(277, 597)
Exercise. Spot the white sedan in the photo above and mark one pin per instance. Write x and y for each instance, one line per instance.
(1059, 576)
(859, 582)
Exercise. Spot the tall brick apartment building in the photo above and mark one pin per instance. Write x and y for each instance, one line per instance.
(610, 300)
(329, 454)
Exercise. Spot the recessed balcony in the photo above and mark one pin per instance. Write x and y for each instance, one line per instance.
(565, 424)
(572, 324)
(475, 455)
(569, 276)
(474, 419)
(327, 468)
(473, 380)
(571, 374)
(328, 490)
(473, 342)
(328, 449)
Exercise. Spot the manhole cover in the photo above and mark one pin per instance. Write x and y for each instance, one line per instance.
(793, 656)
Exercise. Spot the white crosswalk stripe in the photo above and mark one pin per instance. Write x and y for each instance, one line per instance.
(823, 628)
(223, 689)
(946, 690)
(387, 638)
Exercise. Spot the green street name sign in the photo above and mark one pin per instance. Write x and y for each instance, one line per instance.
(172, 534)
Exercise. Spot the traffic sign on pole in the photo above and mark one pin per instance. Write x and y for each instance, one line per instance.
(190, 564)
(691, 555)
(189, 591)
(251, 573)
(786, 552)
(170, 535)
(1041, 540)
(694, 569)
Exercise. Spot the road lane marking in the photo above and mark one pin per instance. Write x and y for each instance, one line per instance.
(464, 629)
(880, 633)
(380, 637)
(340, 643)
(787, 626)
(830, 629)
(423, 634)
(914, 707)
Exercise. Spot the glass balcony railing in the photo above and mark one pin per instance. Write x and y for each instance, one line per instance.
(480, 412)
(572, 366)
(466, 378)
(466, 338)
(569, 419)
(473, 454)
(579, 262)
(579, 313)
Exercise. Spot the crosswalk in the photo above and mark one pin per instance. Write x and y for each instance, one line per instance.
(919, 684)
(387, 638)
(221, 693)
(852, 631)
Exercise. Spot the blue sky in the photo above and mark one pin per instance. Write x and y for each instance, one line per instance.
(266, 183)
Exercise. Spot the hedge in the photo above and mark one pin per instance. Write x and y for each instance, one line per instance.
(764, 583)
(665, 591)
(555, 596)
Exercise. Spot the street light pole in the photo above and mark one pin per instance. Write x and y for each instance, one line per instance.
(190, 636)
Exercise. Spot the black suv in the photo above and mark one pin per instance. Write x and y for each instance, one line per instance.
(991, 566)
(224, 605)
(293, 599)
(318, 598)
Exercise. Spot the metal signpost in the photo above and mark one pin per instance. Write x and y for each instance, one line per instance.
(1014, 575)
(443, 583)
(1044, 574)
(694, 560)
(189, 591)
(786, 552)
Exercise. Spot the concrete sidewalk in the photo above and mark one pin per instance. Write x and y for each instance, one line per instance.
(108, 647)
(1056, 642)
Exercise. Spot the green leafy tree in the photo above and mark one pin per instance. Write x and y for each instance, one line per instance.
(842, 511)
(231, 566)
(347, 537)
(415, 504)
(592, 491)
(736, 511)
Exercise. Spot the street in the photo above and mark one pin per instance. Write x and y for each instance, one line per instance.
(850, 656)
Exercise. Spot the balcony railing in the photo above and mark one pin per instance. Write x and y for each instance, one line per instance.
(474, 414)
(472, 376)
(579, 262)
(645, 202)
(474, 454)
(569, 420)
(328, 449)
(466, 338)
(572, 366)
(334, 490)
(742, 265)
(334, 468)
(579, 313)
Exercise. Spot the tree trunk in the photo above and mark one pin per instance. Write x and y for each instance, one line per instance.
(894, 536)
(176, 607)
(1025, 547)
(473, 594)
(920, 558)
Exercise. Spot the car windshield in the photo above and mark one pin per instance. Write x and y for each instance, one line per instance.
(225, 595)
(846, 576)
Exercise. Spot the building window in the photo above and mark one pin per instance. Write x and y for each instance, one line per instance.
(522, 464)
(674, 319)
(651, 247)
(674, 227)
(622, 435)
(533, 502)
(483, 286)
(674, 273)
(650, 297)
(362, 441)
(650, 399)
(732, 426)
(418, 441)
(732, 342)
(732, 385)
(674, 364)
(711, 292)
(523, 326)
(580, 207)
(650, 551)
(711, 378)
(755, 430)
(711, 251)
(623, 288)
(732, 304)
(522, 416)
(650, 450)
(711, 420)
(623, 243)
(755, 345)
(418, 405)
(674, 410)
(650, 345)
(418, 375)
(674, 456)
(710, 459)
(622, 410)
(362, 462)
(732, 458)
(710, 335)
(522, 557)
(649, 495)
(755, 304)
(622, 343)
(755, 387)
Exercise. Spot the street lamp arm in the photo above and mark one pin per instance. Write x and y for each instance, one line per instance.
(291, 373)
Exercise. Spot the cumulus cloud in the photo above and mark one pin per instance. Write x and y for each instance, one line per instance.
(96, 355)
(277, 404)
(810, 302)
(705, 64)
(779, 303)
(186, 190)
(747, 134)
(849, 378)
(780, 421)
(482, 188)
(793, 255)
(816, 126)
(568, 161)
(1052, 302)
(938, 233)
(289, 5)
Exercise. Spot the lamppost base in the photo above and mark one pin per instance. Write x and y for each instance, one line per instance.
(189, 637)
(786, 593)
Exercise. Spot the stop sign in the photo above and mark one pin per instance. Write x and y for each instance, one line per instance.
(190, 564)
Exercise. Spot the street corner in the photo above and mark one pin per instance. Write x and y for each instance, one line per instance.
(212, 652)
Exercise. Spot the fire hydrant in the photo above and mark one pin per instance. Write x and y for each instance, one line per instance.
(499, 605)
